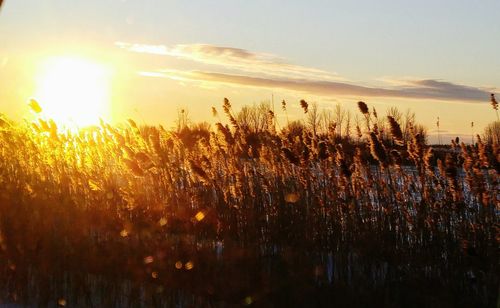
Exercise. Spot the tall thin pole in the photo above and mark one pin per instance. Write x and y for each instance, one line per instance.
(472, 130)
(439, 135)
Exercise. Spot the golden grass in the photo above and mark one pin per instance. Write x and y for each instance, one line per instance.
(231, 215)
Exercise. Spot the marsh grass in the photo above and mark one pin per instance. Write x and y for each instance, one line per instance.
(143, 216)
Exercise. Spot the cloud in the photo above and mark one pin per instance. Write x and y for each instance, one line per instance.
(233, 59)
(241, 67)
(436, 89)
(416, 89)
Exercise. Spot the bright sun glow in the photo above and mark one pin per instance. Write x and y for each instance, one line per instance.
(74, 91)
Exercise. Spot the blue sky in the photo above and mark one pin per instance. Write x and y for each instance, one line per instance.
(375, 44)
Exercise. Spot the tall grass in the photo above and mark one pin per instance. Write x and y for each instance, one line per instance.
(129, 216)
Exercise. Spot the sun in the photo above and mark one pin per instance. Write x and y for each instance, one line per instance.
(74, 91)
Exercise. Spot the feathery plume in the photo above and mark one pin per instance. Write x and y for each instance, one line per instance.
(132, 123)
(363, 108)
(34, 105)
(304, 105)
(396, 132)
(494, 104)
(377, 149)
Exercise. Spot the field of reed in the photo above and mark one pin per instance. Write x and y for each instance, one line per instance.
(247, 214)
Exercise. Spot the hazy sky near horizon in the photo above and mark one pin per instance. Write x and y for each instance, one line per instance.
(439, 58)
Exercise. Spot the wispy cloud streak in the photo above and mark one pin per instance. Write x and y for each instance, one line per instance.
(233, 59)
(416, 89)
(241, 67)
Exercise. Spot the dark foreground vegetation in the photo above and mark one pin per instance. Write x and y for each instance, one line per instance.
(248, 214)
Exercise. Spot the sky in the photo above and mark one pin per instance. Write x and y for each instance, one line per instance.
(438, 58)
